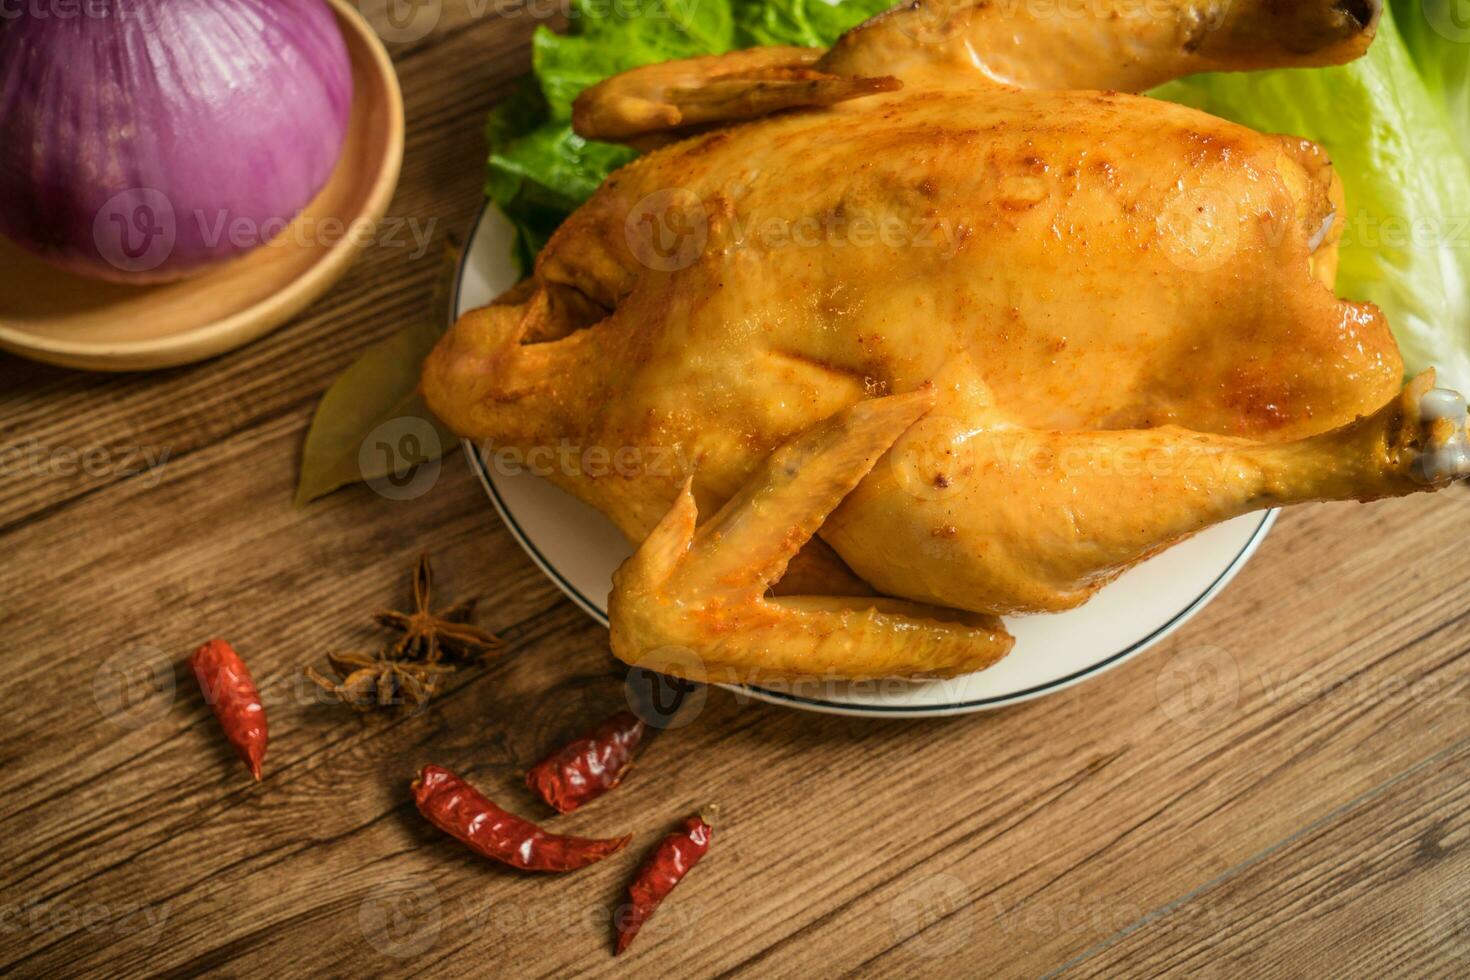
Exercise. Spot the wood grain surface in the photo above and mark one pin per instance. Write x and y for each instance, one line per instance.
(1278, 790)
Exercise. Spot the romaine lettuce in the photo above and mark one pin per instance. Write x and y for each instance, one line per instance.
(1397, 124)
(540, 170)
(1437, 33)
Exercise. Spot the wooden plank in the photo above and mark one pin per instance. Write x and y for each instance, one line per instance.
(1285, 772)
(1078, 792)
(1394, 864)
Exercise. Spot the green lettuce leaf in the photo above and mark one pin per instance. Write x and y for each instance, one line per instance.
(1437, 33)
(539, 170)
(609, 38)
(809, 23)
(1397, 124)
(1406, 244)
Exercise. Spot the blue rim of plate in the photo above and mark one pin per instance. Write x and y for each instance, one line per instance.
(477, 462)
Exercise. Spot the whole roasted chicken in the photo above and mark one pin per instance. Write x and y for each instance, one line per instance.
(943, 324)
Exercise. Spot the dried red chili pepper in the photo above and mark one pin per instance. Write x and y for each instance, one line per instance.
(227, 686)
(458, 809)
(584, 769)
(664, 868)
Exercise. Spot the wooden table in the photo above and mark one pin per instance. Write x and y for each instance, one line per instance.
(1281, 788)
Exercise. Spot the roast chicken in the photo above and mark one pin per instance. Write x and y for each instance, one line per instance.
(943, 324)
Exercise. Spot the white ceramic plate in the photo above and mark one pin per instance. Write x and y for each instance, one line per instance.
(579, 549)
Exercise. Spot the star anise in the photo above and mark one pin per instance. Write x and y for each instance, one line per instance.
(366, 682)
(429, 636)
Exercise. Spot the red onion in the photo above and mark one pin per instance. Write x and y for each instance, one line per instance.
(144, 140)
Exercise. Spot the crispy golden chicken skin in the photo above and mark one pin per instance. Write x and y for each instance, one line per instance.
(1119, 313)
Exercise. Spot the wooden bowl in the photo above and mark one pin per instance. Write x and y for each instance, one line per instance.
(55, 316)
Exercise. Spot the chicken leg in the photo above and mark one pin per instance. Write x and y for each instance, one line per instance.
(698, 597)
(693, 601)
(1120, 45)
(1013, 520)
(1116, 45)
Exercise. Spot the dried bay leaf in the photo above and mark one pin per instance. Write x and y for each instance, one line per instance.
(379, 393)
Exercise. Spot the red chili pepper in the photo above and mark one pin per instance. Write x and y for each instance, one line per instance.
(664, 868)
(584, 769)
(455, 807)
(227, 686)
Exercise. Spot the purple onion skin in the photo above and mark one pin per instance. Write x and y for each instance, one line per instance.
(148, 140)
